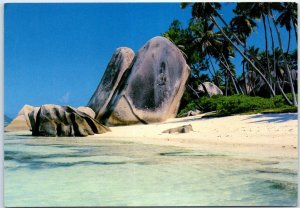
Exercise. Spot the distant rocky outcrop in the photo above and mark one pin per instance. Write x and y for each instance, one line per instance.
(21, 122)
(180, 129)
(118, 64)
(55, 120)
(150, 89)
(210, 89)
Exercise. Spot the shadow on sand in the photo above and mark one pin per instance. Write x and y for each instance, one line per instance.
(274, 117)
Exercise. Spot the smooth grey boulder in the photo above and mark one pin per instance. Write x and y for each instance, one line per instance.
(87, 110)
(21, 122)
(151, 89)
(209, 88)
(55, 120)
(118, 64)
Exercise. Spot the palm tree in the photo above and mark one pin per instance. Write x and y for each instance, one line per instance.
(243, 26)
(209, 10)
(287, 18)
(212, 44)
(251, 79)
(287, 70)
(257, 10)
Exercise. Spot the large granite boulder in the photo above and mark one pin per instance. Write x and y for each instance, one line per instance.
(210, 89)
(118, 64)
(54, 120)
(21, 122)
(151, 88)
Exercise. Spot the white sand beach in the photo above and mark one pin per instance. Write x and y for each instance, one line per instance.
(270, 135)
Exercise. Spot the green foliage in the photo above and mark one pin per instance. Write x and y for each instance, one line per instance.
(241, 104)
(237, 104)
(208, 46)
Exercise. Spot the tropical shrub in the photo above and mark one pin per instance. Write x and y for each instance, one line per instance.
(236, 104)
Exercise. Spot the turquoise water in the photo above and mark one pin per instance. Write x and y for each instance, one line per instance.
(86, 172)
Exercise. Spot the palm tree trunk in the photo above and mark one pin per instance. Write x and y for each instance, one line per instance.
(295, 30)
(194, 91)
(250, 54)
(274, 56)
(285, 62)
(266, 46)
(283, 93)
(289, 42)
(240, 42)
(217, 78)
(244, 75)
(233, 78)
(226, 83)
(252, 64)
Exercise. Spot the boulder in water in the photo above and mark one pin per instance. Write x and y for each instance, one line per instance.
(54, 120)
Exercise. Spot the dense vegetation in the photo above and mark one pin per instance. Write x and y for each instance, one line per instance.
(268, 71)
(235, 104)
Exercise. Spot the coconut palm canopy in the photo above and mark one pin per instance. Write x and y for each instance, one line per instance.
(215, 41)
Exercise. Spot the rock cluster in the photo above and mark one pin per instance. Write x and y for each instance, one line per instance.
(148, 91)
(55, 120)
(136, 88)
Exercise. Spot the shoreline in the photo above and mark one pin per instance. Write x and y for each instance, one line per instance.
(263, 135)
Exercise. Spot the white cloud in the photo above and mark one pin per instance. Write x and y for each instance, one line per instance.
(65, 98)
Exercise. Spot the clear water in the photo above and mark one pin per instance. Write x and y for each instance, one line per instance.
(87, 172)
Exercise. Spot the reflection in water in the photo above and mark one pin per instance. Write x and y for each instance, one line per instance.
(87, 172)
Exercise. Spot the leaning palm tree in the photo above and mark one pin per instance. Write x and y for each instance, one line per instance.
(257, 10)
(243, 26)
(287, 18)
(286, 66)
(212, 44)
(209, 10)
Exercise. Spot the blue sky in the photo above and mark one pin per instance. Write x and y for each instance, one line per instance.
(57, 53)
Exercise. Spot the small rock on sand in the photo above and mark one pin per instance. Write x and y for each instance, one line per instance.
(180, 129)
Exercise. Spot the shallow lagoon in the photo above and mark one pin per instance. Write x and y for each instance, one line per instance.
(90, 172)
